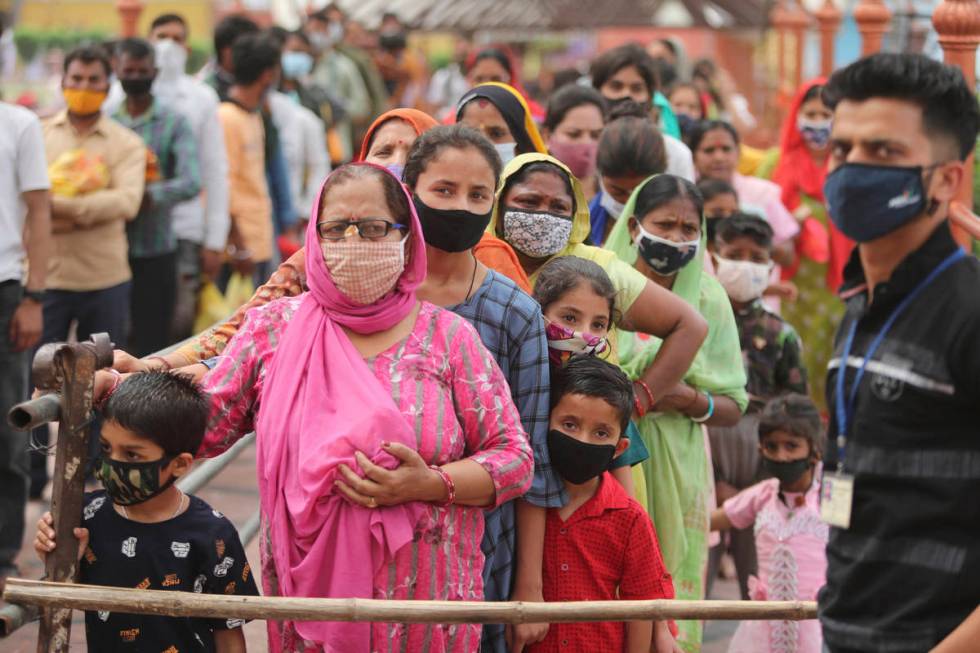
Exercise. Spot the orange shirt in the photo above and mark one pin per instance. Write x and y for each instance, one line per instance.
(248, 194)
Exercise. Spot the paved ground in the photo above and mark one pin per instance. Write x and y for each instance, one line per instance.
(234, 492)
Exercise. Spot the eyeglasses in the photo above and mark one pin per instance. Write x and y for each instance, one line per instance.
(337, 230)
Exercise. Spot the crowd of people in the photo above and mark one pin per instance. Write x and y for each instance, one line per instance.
(577, 349)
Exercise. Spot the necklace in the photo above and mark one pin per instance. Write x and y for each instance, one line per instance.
(472, 279)
(180, 505)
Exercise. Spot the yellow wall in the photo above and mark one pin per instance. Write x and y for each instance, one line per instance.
(92, 14)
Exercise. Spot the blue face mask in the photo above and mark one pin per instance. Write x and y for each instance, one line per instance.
(296, 65)
(867, 202)
(396, 169)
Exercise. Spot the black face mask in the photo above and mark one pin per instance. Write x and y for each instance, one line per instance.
(578, 462)
(787, 472)
(451, 230)
(137, 86)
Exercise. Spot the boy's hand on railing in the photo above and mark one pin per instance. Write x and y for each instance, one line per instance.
(44, 540)
(663, 641)
(521, 636)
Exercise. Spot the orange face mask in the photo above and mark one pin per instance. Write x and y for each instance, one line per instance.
(83, 102)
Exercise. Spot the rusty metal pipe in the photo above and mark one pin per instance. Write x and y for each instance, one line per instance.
(36, 412)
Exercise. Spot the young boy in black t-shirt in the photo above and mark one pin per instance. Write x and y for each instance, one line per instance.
(149, 534)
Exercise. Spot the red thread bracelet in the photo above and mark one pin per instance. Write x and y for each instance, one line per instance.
(647, 391)
(115, 384)
(448, 481)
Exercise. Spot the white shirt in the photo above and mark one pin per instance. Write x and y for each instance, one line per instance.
(204, 220)
(680, 161)
(304, 145)
(24, 168)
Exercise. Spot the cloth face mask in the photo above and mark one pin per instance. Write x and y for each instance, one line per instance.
(576, 461)
(454, 230)
(788, 472)
(742, 280)
(537, 234)
(128, 484)
(815, 132)
(867, 201)
(506, 151)
(609, 203)
(579, 157)
(364, 270)
(665, 256)
(563, 343)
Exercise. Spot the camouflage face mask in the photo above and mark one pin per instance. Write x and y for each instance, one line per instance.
(130, 483)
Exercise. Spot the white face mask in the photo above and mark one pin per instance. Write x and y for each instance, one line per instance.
(609, 203)
(744, 281)
(171, 59)
(507, 151)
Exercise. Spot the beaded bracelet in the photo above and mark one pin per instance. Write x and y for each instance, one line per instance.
(711, 410)
(448, 481)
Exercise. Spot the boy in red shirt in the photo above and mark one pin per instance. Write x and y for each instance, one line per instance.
(601, 546)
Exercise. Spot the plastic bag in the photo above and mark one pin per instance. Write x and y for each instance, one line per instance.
(240, 290)
(76, 173)
(211, 307)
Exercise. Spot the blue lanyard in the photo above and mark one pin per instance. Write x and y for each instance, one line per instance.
(845, 406)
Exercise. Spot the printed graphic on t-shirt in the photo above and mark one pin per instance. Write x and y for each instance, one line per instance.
(197, 551)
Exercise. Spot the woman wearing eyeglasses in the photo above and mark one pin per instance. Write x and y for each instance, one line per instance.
(384, 427)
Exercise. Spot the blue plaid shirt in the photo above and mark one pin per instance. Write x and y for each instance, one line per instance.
(170, 137)
(511, 327)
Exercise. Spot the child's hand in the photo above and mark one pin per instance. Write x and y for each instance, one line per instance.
(521, 636)
(44, 541)
(663, 641)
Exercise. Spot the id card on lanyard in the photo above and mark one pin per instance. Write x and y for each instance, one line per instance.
(837, 487)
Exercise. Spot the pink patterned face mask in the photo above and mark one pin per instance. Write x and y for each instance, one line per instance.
(563, 343)
(364, 270)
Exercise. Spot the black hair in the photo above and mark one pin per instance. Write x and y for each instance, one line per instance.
(135, 48)
(747, 225)
(497, 55)
(167, 409)
(301, 35)
(665, 188)
(252, 55)
(711, 188)
(610, 62)
(166, 19)
(569, 97)
(88, 54)
(812, 93)
(666, 73)
(279, 34)
(544, 167)
(949, 106)
(795, 414)
(394, 195)
(564, 273)
(590, 376)
(230, 29)
(431, 143)
(704, 127)
(631, 145)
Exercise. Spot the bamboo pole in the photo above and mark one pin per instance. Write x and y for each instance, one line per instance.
(277, 608)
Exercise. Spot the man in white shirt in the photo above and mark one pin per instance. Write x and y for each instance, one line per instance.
(201, 224)
(25, 242)
(304, 145)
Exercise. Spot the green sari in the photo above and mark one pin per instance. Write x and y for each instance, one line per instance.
(817, 312)
(678, 476)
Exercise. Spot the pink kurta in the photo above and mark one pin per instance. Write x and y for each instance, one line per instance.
(451, 391)
(791, 543)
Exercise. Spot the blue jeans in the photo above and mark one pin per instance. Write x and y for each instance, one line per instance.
(14, 460)
(95, 311)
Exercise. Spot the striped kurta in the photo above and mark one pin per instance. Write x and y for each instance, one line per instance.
(449, 388)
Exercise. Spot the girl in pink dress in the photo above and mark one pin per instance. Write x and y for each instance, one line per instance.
(790, 539)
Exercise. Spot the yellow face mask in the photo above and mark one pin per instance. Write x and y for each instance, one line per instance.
(83, 102)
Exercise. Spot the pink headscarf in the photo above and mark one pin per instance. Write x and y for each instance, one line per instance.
(320, 403)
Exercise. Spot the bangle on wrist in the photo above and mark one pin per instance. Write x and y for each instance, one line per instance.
(638, 407)
(647, 392)
(166, 365)
(448, 482)
(709, 413)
